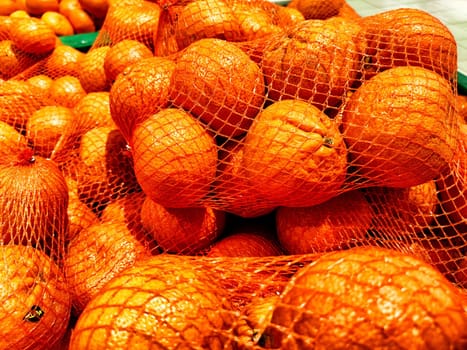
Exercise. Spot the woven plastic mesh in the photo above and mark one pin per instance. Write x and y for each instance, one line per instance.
(235, 175)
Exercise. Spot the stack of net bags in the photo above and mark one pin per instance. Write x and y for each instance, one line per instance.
(234, 174)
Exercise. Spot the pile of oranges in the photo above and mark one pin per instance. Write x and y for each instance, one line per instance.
(231, 174)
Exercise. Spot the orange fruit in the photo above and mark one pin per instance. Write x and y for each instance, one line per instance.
(136, 21)
(96, 255)
(317, 9)
(254, 22)
(182, 230)
(402, 211)
(13, 60)
(66, 91)
(5, 23)
(318, 62)
(41, 81)
(93, 110)
(38, 7)
(328, 226)
(7, 7)
(164, 301)
(64, 60)
(128, 210)
(369, 297)
(295, 155)
(11, 141)
(65, 7)
(142, 90)
(244, 244)
(51, 130)
(201, 19)
(58, 22)
(91, 72)
(462, 106)
(288, 16)
(81, 21)
(174, 158)
(80, 215)
(398, 127)
(235, 193)
(97, 8)
(33, 36)
(123, 54)
(20, 14)
(453, 186)
(219, 84)
(461, 274)
(35, 302)
(18, 100)
(348, 11)
(105, 167)
(409, 37)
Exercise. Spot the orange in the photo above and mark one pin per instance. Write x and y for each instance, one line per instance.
(142, 90)
(244, 244)
(235, 193)
(93, 110)
(462, 106)
(81, 21)
(33, 36)
(123, 54)
(409, 37)
(35, 302)
(348, 11)
(254, 22)
(371, 298)
(65, 7)
(20, 14)
(38, 7)
(13, 60)
(91, 72)
(18, 100)
(453, 186)
(7, 7)
(295, 155)
(201, 19)
(51, 130)
(399, 127)
(5, 23)
(219, 84)
(403, 211)
(66, 91)
(317, 9)
(318, 62)
(136, 21)
(11, 141)
(174, 158)
(58, 22)
(80, 215)
(288, 16)
(162, 302)
(96, 254)
(97, 8)
(105, 167)
(182, 230)
(41, 81)
(328, 226)
(64, 60)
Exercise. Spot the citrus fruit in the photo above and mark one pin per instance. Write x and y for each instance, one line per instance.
(58, 22)
(142, 90)
(317, 9)
(219, 84)
(11, 141)
(403, 211)
(318, 62)
(13, 61)
(399, 127)
(95, 255)
(66, 91)
(93, 110)
(64, 60)
(244, 244)
(91, 72)
(162, 302)
(369, 297)
(35, 302)
(295, 155)
(123, 54)
(38, 7)
(182, 230)
(174, 158)
(328, 226)
(33, 36)
(409, 37)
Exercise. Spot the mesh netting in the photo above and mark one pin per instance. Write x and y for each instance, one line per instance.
(233, 174)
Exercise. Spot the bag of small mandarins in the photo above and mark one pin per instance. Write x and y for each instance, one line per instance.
(235, 174)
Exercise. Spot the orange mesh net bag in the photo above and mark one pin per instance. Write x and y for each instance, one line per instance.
(234, 174)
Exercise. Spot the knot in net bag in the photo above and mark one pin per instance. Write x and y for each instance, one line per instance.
(235, 174)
